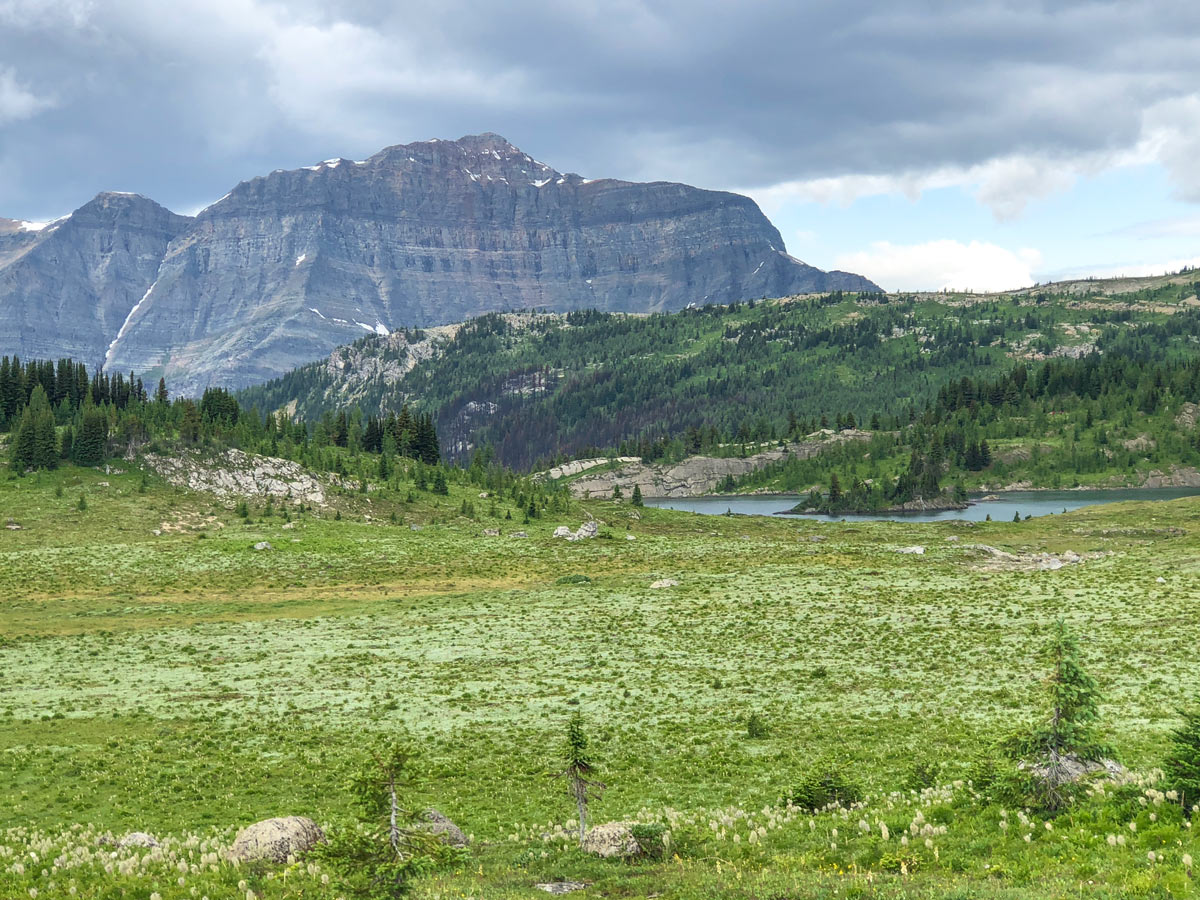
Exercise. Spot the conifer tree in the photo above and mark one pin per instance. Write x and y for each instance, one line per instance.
(1182, 764)
(90, 444)
(578, 770)
(439, 482)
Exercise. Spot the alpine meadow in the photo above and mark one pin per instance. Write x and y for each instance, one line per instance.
(789, 489)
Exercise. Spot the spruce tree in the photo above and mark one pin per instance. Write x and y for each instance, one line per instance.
(636, 499)
(1182, 764)
(24, 440)
(578, 770)
(90, 444)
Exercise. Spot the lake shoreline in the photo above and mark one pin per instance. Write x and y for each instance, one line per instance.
(980, 507)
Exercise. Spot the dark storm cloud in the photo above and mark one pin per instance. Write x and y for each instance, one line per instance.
(179, 101)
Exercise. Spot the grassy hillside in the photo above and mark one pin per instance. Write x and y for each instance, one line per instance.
(186, 683)
(538, 388)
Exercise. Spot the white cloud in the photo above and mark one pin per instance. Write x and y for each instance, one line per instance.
(934, 265)
(1128, 269)
(1005, 184)
(16, 101)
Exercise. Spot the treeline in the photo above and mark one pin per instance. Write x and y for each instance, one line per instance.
(57, 412)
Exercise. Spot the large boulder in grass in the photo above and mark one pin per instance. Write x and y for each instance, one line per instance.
(436, 823)
(612, 839)
(277, 839)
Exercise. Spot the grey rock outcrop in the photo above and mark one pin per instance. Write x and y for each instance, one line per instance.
(290, 265)
(234, 473)
(694, 476)
(443, 827)
(137, 839)
(612, 839)
(276, 839)
(66, 287)
(586, 531)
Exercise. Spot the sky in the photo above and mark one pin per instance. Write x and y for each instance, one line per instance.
(925, 144)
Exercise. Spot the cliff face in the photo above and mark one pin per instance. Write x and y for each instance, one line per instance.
(288, 266)
(67, 286)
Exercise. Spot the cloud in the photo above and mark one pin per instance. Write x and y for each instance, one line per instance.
(935, 265)
(1132, 269)
(1011, 99)
(17, 102)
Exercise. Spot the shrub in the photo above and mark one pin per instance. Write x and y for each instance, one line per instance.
(825, 785)
(573, 579)
(651, 839)
(756, 726)
(922, 775)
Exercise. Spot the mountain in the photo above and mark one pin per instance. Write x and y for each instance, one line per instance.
(290, 265)
(67, 286)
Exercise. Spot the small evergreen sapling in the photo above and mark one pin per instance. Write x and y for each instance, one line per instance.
(379, 856)
(1182, 764)
(578, 769)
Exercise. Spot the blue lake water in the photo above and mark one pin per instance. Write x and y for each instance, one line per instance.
(1026, 503)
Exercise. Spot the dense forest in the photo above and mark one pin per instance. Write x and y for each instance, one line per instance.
(540, 389)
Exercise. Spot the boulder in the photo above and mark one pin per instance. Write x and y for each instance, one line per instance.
(915, 550)
(1057, 770)
(491, 532)
(276, 839)
(664, 583)
(137, 839)
(612, 839)
(562, 531)
(436, 823)
(562, 887)
(263, 545)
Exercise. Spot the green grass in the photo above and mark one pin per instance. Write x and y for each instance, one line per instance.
(179, 683)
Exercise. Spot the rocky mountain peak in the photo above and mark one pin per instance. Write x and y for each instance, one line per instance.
(291, 264)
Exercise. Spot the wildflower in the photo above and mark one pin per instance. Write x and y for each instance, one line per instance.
(1133, 826)
(1049, 826)
(1187, 860)
(883, 830)
(1153, 817)
(33, 892)
(1112, 840)
(1028, 838)
(1121, 839)
(1150, 855)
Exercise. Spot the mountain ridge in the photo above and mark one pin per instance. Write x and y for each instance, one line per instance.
(291, 264)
